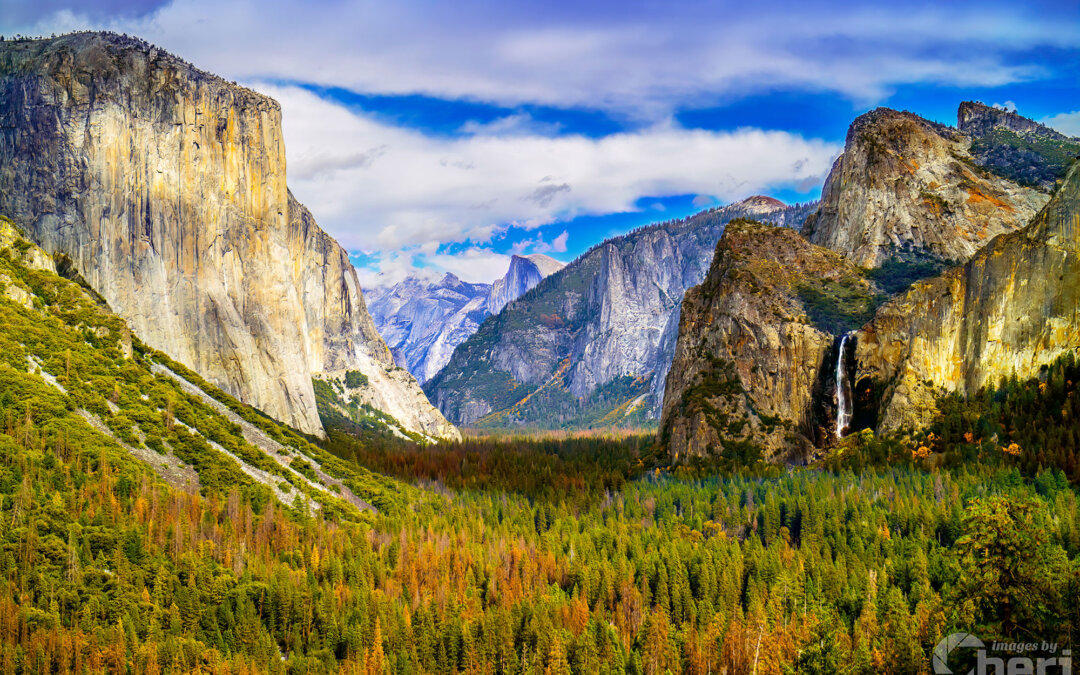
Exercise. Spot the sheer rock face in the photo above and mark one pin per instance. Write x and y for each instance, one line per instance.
(747, 362)
(524, 273)
(1012, 308)
(595, 337)
(166, 188)
(905, 182)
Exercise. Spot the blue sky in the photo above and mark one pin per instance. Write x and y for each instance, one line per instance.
(431, 137)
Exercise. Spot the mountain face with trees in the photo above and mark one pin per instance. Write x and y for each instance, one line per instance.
(1010, 311)
(754, 344)
(1015, 147)
(165, 188)
(904, 182)
(915, 329)
(423, 321)
(591, 344)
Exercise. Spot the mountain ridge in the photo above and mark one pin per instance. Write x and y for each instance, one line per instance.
(424, 321)
(590, 344)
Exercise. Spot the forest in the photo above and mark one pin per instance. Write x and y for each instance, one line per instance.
(537, 554)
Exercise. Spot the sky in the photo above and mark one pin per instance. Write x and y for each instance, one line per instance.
(432, 137)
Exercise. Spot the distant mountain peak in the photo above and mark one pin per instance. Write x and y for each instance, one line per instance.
(761, 204)
(545, 263)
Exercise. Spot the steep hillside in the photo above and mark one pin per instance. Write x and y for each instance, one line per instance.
(591, 344)
(423, 322)
(1011, 309)
(72, 372)
(906, 183)
(1015, 147)
(756, 341)
(165, 188)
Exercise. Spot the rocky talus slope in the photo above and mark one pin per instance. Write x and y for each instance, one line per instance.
(906, 183)
(165, 188)
(1012, 308)
(748, 367)
(591, 344)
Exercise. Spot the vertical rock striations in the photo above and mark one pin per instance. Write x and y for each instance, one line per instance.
(423, 321)
(166, 188)
(591, 344)
(524, 273)
(1012, 308)
(906, 183)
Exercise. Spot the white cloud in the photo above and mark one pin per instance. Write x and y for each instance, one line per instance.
(558, 244)
(1067, 123)
(473, 264)
(418, 189)
(641, 61)
(539, 245)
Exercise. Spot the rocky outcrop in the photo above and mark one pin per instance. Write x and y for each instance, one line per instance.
(423, 321)
(586, 347)
(751, 363)
(906, 183)
(978, 119)
(165, 186)
(1012, 308)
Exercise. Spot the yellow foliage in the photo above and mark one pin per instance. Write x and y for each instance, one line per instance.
(922, 452)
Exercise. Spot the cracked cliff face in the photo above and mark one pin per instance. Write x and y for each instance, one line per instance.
(591, 344)
(904, 182)
(1012, 308)
(748, 358)
(166, 188)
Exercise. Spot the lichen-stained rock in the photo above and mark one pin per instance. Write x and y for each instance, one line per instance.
(748, 357)
(165, 186)
(905, 182)
(1012, 308)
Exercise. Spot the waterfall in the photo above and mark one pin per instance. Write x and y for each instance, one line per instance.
(843, 390)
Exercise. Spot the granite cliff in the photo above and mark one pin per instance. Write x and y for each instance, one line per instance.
(1012, 308)
(907, 183)
(753, 354)
(165, 187)
(1015, 147)
(591, 344)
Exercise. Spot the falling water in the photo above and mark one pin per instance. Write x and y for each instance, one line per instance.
(843, 390)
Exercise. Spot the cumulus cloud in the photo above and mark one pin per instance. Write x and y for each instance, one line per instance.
(424, 189)
(643, 60)
(1067, 123)
(537, 244)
